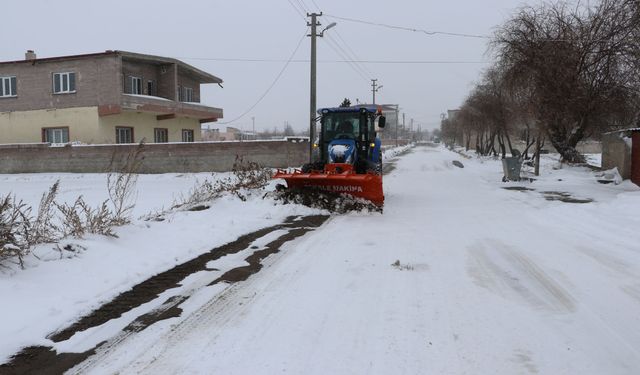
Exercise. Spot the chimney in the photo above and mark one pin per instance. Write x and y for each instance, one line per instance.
(30, 55)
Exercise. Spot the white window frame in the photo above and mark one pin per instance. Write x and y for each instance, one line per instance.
(188, 135)
(64, 78)
(157, 132)
(7, 89)
(127, 128)
(136, 87)
(58, 135)
(187, 95)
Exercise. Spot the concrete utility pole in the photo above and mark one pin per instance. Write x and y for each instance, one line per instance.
(253, 120)
(375, 88)
(403, 125)
(397, 123)
(312, 110)
(312, 107)
(411, 130)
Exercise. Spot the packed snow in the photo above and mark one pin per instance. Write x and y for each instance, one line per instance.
(458, 276)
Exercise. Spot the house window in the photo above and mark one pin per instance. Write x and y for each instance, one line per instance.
(151, 88)
(124, 135)
(7, 87)
(160, 135)
(64, 83)
(187, 135)
(187, 96)
(55, 135)
(136, 85)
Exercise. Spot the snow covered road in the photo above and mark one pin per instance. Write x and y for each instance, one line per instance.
(458, 276)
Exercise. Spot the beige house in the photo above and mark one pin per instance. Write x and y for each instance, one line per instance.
(102, 98)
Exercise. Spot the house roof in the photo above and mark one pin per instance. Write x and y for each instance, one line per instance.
(203, 76)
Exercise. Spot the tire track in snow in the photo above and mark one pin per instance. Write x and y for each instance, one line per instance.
(501, 269)
(45, 360)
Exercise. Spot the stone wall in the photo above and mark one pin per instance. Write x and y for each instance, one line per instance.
(616, 152)
(157, 158)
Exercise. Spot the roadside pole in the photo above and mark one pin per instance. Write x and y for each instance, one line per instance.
(312, 107)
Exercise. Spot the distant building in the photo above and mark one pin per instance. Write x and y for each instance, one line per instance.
(390, 112)
(230, 134)
(108, 97)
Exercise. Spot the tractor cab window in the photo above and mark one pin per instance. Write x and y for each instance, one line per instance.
(340, 125)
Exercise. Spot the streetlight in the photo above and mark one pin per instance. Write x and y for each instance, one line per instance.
(332, 24)
(312, 110)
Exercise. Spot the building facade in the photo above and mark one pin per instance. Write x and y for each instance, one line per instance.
(102, 98)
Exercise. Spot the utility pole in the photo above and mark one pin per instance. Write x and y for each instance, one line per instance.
(397, 123)
(403, 128)
(253, 120)
(375, 88)
(312, 110)
(411, 130)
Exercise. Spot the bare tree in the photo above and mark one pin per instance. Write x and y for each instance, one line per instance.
(572, 61)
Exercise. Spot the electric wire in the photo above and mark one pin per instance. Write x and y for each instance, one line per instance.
(297, 10)
(446, 33)
(327, 61)
(315, 4)
(345, 52)
(303, 6)
(415, 30)
(336, 49)
(353, 54)
(341, 52)
(272, 84)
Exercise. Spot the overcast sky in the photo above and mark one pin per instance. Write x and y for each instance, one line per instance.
(203, 32)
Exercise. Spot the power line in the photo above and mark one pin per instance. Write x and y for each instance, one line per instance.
(301, 13)
(428, 32)
(353, 54)
(272, 84)
(337, 49)
(315, 4)
(345, 61)
(302, 5)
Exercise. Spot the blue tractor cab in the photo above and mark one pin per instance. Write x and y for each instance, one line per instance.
(348, 136)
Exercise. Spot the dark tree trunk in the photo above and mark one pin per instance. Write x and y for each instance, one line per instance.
(506, 134)
(566, 146)
(537, 158)
(503, 149)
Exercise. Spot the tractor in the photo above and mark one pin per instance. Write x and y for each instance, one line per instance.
(347, 158)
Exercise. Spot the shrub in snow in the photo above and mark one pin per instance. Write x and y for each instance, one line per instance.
(15, 223)
(246, 177)
(20, 231)
(80, 218)
(44, 229)
(121, 184)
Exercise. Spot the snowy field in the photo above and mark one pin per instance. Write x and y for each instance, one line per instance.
(458, 276)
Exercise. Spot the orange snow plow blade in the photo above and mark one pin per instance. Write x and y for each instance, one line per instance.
(337, 178)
